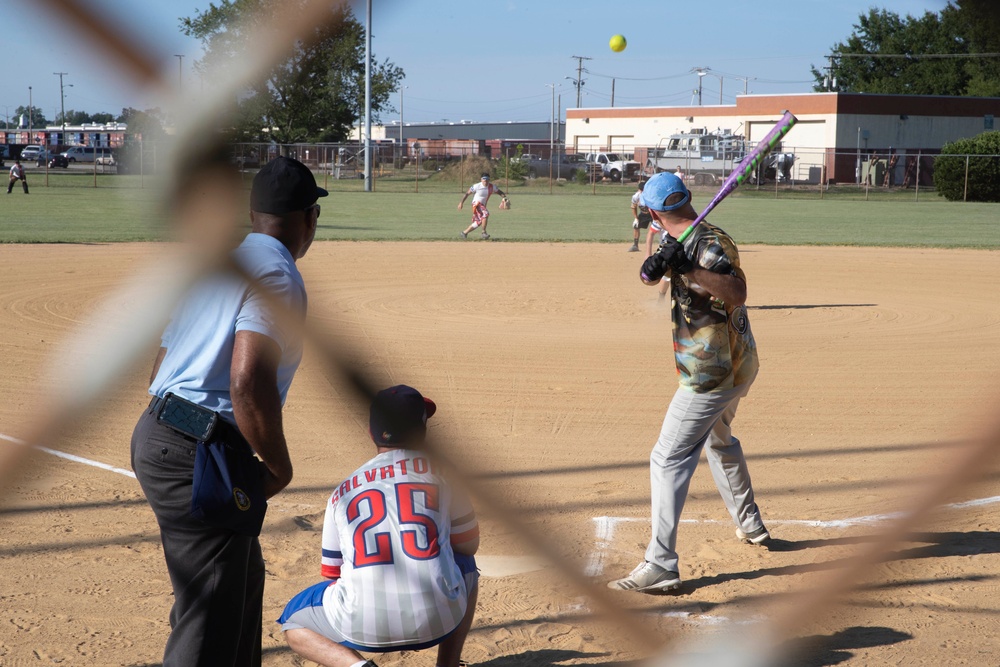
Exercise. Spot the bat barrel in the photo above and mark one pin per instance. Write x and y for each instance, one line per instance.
(745, 168)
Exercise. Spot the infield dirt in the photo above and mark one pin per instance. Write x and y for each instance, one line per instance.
(552, 367)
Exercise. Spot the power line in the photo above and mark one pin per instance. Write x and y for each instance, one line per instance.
(914, 56)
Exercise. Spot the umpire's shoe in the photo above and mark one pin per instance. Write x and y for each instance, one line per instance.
(648, 577)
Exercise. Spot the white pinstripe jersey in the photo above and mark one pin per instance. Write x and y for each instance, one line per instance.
(387, 535)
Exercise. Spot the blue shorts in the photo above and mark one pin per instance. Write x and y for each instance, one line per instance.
(305, 610)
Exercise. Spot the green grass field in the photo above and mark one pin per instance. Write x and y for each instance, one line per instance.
(129, 208)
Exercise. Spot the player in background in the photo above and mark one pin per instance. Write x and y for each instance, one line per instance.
(656, 228)
(17, 174)
(399, 545)
(716, 359)
(640, 219)
(480, 215)
(643, 220)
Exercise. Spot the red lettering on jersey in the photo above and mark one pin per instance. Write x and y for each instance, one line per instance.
(355, 482)
(345, 488)
(420, 465)
(370, 475)
(388, 472)
(402, 466)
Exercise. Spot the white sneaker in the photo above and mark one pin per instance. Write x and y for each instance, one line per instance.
(758, 536)
(486, 237)
(647, 577)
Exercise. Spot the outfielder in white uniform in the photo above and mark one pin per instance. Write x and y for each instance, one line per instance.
(481, 192)
(398, 544)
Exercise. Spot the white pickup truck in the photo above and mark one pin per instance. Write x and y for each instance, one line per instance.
(615, 167)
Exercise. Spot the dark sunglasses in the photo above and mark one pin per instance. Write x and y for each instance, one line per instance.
(317, 207)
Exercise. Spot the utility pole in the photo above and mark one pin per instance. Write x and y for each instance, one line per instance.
(180, 72)
(612, 92)
(62, 105)
(829, 81)
(745, 80)
(579, 76)
(31, 112)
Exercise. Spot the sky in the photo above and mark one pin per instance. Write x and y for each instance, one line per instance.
(507, 60)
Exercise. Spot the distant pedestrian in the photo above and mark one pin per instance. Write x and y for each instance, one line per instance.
(480, 214)
(17, 174)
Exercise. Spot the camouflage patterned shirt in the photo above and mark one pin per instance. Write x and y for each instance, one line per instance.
(713, 346)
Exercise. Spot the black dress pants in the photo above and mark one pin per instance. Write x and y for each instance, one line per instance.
(217, 575)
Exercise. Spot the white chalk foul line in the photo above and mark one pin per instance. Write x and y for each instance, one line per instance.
(71, 457)
(490, 566)
(604, 526)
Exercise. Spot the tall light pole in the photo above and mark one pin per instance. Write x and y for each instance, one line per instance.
(62, 102)
(180, 72)
(401, 89)
(31, 113)
(701, 72)
(368, 96)
(552, 122)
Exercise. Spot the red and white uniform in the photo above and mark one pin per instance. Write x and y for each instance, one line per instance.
(387, 536)
(481, 194)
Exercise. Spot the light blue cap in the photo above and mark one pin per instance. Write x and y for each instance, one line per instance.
(659, 187)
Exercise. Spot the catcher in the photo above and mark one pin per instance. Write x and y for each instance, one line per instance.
(399, 545)
(480, 215)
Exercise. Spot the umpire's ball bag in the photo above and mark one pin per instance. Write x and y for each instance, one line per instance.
(228, 489)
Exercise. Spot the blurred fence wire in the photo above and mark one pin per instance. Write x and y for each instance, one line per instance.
(109, 345)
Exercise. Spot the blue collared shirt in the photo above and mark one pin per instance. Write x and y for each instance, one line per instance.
(202, 332)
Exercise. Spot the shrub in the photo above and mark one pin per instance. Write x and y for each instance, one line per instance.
(511, 168)
(983, 167)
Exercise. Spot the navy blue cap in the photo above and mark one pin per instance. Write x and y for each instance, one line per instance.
(284, 185)
(659, 187)
(399, 416)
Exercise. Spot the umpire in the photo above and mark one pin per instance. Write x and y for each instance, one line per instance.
(227, 358)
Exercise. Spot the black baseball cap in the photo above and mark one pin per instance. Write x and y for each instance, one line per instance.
(399, 416)
(284, 185)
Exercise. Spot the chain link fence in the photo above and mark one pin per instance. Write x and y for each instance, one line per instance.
(449, 165)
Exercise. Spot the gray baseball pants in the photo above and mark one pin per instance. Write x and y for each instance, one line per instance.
(695, 422)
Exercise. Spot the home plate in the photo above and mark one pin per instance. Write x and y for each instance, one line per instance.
(505, 566)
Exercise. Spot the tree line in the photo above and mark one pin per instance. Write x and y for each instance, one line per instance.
(953, 52)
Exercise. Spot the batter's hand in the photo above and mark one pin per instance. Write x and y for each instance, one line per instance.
(676, 258)
(654, 268)
(460, 205)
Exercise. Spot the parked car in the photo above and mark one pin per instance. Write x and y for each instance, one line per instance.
(43, 158)
(85, 153)
(56, 161)
(29, 153)
(107, 160)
